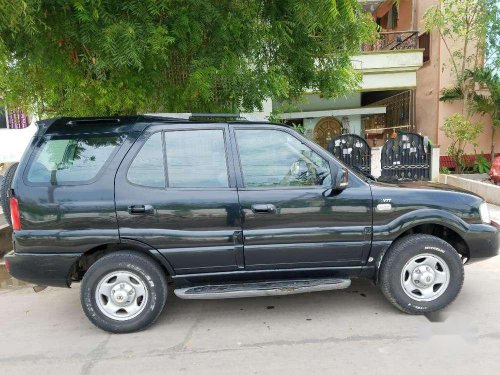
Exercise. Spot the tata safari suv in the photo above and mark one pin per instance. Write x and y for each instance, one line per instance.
(224, 210)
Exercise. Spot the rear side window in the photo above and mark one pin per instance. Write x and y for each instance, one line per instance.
(147, 169)
(196, 159)
(67, 159)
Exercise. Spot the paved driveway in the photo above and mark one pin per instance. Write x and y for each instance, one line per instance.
(354, 331)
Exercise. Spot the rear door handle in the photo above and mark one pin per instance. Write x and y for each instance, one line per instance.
(144, 209)
(263, 208)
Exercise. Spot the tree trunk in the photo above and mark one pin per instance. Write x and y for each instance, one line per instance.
(492, 155)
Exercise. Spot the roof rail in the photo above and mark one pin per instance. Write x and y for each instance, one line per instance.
(92, 121)
(225, 116)
(200, 116)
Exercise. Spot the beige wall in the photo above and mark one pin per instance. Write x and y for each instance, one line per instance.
(431, 79)
(404, 15)
(427, 92)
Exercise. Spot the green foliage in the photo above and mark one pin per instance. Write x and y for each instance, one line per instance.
(92, 57)
(299, 128)
(444, 170)
(462, 132)
(481, 164)
(463, 27)
(470, 34)
(484, 96)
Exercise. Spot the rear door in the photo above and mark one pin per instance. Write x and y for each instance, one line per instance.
(66, 192)
(176, 192)
(287, 222)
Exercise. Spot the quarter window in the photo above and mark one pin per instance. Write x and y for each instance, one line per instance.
(196, 159)
(274, 159)
(148, 169)
(71, 159)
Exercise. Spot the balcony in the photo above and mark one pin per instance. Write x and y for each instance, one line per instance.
(393, 40)
(391, 62)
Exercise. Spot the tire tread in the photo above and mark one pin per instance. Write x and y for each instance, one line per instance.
(396, 250)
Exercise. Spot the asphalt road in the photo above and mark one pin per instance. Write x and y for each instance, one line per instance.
(351, 331)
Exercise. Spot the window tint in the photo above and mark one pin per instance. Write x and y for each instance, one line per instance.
(71, 159)
(273, 158)
(196, 158)
(148, 169)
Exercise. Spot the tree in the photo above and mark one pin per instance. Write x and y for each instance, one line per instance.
(462, 132)
(486, 99)
(469, 31)
(90, 57)
(463, 27)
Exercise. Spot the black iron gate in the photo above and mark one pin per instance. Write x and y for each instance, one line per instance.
(406, 157)
(352, 150)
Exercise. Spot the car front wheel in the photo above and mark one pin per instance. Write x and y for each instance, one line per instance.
(124, 292)
(421, 274)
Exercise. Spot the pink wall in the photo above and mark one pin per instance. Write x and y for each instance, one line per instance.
(427, 92)
(404, 16)
(431, 79)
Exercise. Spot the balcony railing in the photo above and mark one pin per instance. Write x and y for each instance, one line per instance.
(393, 40)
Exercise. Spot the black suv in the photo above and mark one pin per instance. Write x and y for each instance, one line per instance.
(224, 210)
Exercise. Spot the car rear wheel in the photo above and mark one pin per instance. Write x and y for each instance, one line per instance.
(5, 186)
(124, 292)
(421, 274)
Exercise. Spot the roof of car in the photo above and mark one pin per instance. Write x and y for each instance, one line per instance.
(64, 125)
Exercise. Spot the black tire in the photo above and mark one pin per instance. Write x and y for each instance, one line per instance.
(143, 268)
(401, 252)
(5, 186)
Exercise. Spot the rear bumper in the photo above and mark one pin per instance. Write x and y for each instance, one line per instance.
(483, 241)
(42, 269)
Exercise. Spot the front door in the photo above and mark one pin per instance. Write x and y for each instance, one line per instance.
(325, 130)
(175, 191)
(287, 222)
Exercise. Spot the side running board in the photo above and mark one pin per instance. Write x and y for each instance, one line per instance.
(261, 289)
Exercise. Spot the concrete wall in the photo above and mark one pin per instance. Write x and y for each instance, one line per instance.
(313, 102)
(489, 192)
(404, 13)
(13, 142)
(434, 76)
(427, 92)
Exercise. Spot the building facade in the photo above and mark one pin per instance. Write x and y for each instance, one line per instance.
(403, 71)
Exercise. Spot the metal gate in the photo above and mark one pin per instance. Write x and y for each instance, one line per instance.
(352, 150)
(406, 157)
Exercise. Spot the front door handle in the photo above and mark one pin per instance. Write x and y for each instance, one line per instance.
(263, 208)
(144, 209)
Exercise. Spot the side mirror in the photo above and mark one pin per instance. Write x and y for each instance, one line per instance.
(342, 179)
(340, 182)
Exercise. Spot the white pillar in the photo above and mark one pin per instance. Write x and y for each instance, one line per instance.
(376, 169)
(435, 163)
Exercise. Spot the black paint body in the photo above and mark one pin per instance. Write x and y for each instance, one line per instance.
(213, 234)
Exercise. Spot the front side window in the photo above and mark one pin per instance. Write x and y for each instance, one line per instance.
(71, 158)
(274, 159)
(196, 159)
(148, 169)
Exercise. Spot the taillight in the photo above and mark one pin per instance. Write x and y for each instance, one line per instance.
(7, 265)
(14, 214)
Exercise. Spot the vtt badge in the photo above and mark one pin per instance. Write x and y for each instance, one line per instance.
(385, 205)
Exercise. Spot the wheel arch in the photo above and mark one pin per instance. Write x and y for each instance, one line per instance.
(445, 232)
(90, 256)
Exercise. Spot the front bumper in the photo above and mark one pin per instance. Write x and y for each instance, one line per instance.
(42, 269)
(483, 241)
